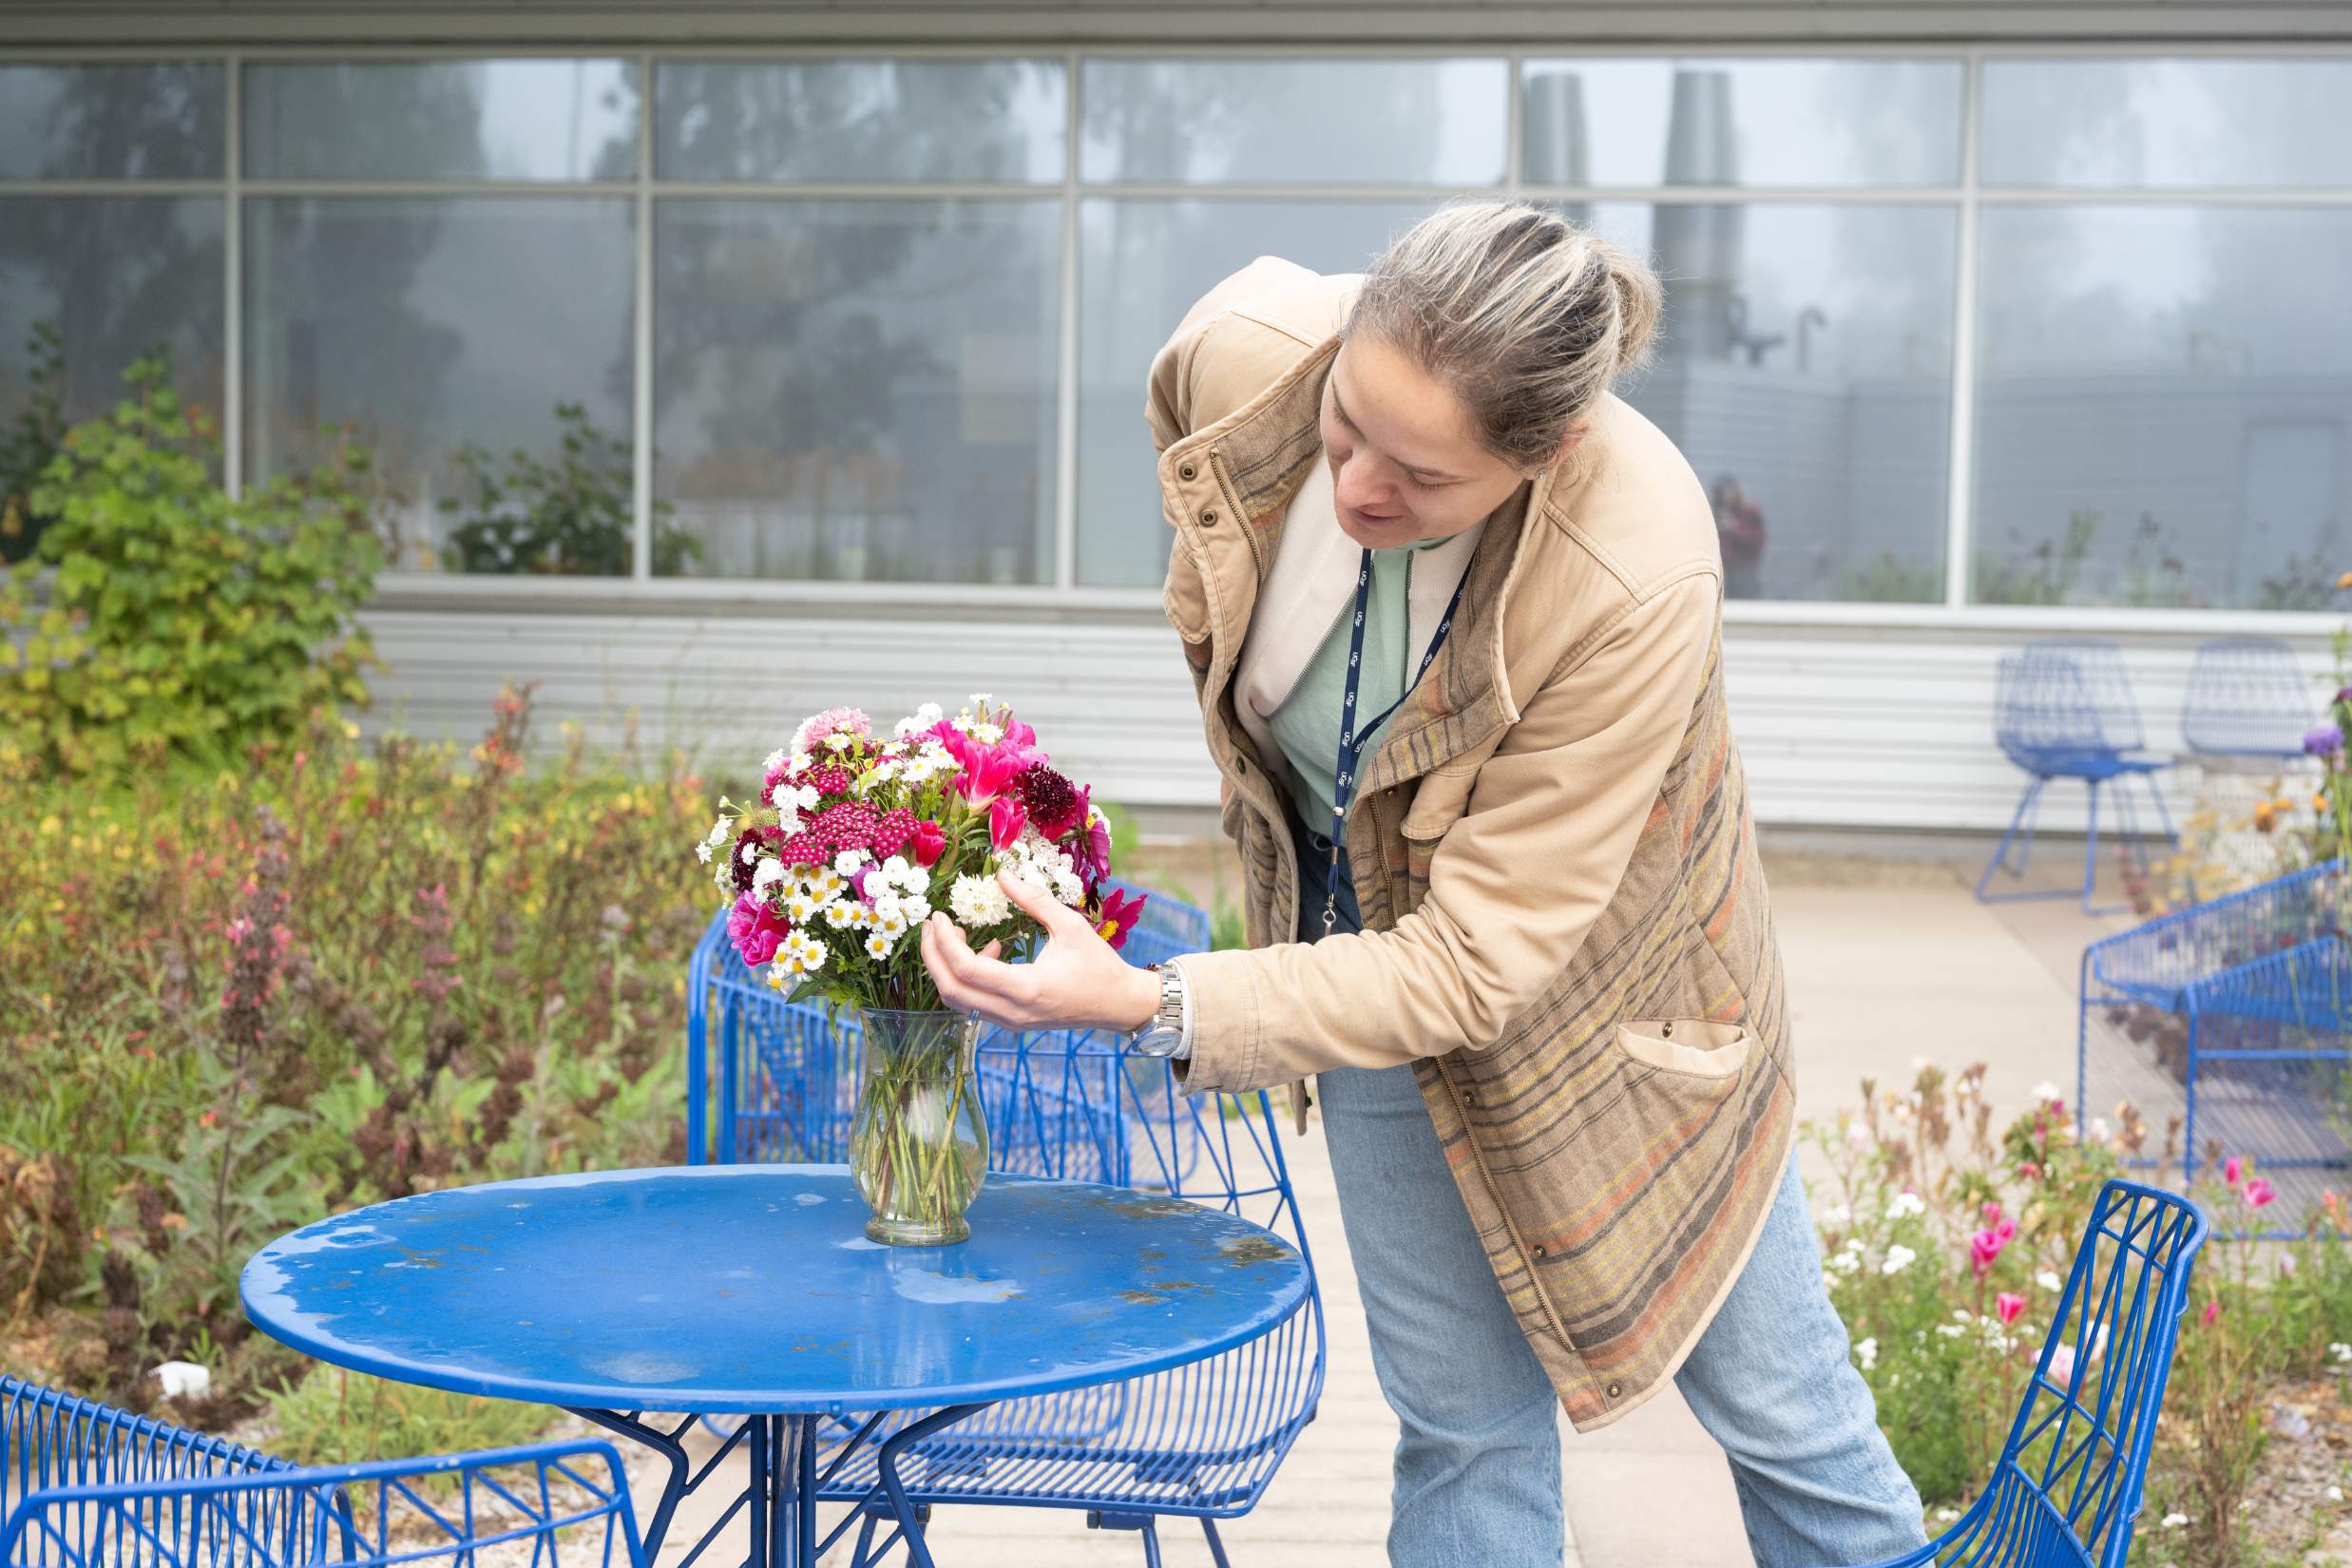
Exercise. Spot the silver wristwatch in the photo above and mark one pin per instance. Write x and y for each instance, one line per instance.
(1165, 1032)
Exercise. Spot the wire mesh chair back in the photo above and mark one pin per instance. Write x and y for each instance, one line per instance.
(2247, 697)
(92, 1486)
(2064, 706)
(2156, 961)
(2067, 1485)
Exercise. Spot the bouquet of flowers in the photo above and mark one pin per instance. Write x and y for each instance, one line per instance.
(856, 837)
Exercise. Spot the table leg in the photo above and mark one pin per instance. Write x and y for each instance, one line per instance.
(780, 1501)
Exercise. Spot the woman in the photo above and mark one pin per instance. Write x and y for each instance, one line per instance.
(1534, 976)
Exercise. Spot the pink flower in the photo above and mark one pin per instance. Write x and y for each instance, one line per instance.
(1118, 916)
(1006, 820)
(2006, 1232)
(2259, 1193)
(755, 929)
(2008, 1305)
(814, 731)
(2287, 1265)
(1991, 1213)
(988, 770)
(1985, 1247)
(2061, 1364)
(927, 843)
(2213, 1310)
(1091, 849)
(2232, 1172)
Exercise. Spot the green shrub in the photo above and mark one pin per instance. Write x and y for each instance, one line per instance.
(575, 516)
(176, 619)
(330, 1416)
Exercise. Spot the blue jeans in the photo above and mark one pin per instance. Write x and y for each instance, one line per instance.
(1477, 1461)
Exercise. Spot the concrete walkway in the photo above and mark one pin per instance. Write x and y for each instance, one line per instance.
(1888, 960)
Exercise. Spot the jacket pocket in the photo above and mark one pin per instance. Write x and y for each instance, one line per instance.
(1689, 1047)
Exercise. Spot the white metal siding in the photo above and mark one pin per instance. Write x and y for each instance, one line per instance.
(1841, 725)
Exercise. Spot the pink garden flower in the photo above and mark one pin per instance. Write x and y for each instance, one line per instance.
(1006, 820)
(813, 732)
(1984, 1247)
(2259, 1193)
(2061, 1364)
(2008, 1305)
(2213, 1310)
(1117, 915)
(755, 929)
(926, 842)
(2232, 1172)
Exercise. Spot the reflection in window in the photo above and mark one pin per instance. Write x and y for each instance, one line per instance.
(1142, 265)
(152, 120)
(2157, 123)
(1804, 371)
(2161, 411)
(1294, 122)
(87, 286)
(844, 120)
(429, 324)
(556, 120)
(859, 389)
(1750, 123)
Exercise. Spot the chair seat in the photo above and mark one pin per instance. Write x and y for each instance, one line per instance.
(2083, 762)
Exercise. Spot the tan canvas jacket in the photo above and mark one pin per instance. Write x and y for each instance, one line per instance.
(1566, 931)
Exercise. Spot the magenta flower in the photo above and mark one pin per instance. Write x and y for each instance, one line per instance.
(2213, 1310)
(2259, 1193)
(1984, 1247)
(1006, 820)
(2008, 1306)
(2232, 1172)
(926, 842)
(755, 929)
(1117, 915)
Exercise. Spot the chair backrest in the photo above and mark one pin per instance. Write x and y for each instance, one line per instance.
(2069, 1483)
(2247, 697)
(2062, 697)
(86, 1485)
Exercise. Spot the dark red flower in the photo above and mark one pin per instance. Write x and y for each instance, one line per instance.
(892, 832)
(1054, 804)
(926, 842)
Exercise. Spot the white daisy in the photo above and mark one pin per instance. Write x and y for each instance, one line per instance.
(879, 946)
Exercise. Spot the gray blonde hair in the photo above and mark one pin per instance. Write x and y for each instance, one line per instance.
(1526, 317)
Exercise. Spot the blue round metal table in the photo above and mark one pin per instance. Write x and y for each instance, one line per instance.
(753, 1290)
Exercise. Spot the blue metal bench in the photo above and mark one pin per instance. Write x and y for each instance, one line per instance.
(2233, 1015)
(1200, 1441)
(2064, 709)
(86, 1485)
(2068, 1486)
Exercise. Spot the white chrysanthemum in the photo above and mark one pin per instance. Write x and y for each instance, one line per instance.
(702, 853)
(978, 901)
(906, 878)
(879, 946)
(1899, 1258)
(1068, 888)
(769, 872)
(922, 719)
(848, 861)
(914, 908)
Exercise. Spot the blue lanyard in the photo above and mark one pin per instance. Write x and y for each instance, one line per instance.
(1352, 734)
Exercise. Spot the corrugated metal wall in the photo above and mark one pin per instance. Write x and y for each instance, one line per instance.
(1851, 726)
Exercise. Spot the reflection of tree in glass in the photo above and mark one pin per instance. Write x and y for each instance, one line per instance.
(571, 517)
(2046, 573)
(334, 279)
(31, 440)
(936, 120)
(119, 272)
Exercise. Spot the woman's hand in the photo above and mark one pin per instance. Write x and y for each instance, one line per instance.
(1078, 980)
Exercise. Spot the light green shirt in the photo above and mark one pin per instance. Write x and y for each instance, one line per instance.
(1307, 723)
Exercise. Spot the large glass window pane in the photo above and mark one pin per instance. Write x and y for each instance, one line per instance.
(859, 389)
(441, 120)
(87, 286)
(1756, 123)
(2148, 124)
(2164, 403)
(1804, 371)
(429, 325)
(850, 120)
(149, 120)
(1294, 122)
(1143, 262)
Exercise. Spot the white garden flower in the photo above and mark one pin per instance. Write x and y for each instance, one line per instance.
(702, 853)
(1068, 888)
(1899, 1258)
(836, 742)
(769, 872)
(1950, 1331)
(2045, 1092)
(978, 901)
(848, 861)
(1945, 1515)
(2342, 1351)
(718, 833)
(879, 946)
(800, 908)
(1867, 1352)
(842, 913)
(980, 701)
(2173, 1521)
(916, 723)
(2335, 1494)
(1905, 1203)
(183, 1378)
(2049, 1280)
(776, 760)
(987, 734)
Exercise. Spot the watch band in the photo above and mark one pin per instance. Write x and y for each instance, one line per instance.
(1170, 1032)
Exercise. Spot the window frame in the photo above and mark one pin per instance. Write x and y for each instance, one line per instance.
(642, 592)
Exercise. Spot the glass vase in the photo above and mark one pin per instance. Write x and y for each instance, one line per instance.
(919, 1143)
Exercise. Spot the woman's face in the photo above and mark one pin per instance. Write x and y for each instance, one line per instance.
(1404, 464)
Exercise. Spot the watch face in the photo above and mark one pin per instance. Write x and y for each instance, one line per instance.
(1158, 1042)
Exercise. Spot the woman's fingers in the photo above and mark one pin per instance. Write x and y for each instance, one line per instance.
(1041, 906)
(972, 981)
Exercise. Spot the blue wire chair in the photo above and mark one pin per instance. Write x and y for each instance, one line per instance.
(2064, 709)
(2233, 1015)
(2067, 1487)
(2247, 697)
(86, 1485)
(1201, 1442)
